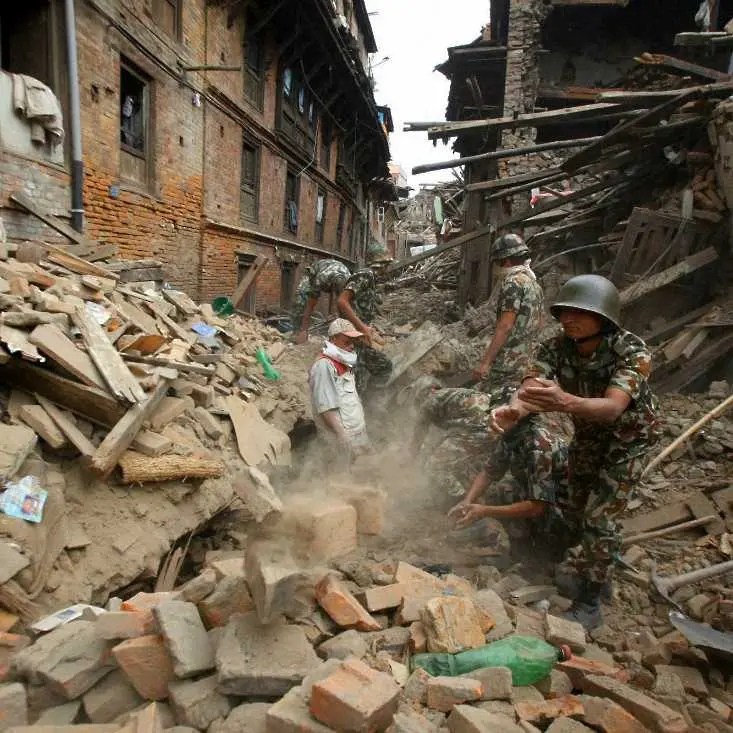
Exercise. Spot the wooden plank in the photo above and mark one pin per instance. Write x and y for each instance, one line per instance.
(78, 265)
(671, 514)
(537, 183)
(660, 59)
(698, 366)
(409, 351)
(16, 342)
(710, 38)
(60, 348)
(701, 506)
(67, 426)
(673, 350)
(181, 301)
(511, 180)
(88, 402)
(118, 440)
(181, 366)
(25, 202)
(188, 336)
(700, 336)
(101, 253)
(37, 419)
(107, 359)
(673, 326)
(240, 292)
(654, 282)
(135, 315)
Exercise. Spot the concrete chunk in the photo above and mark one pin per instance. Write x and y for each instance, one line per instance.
(254, 488)
(291, 715)
(230, 596)
(11, 562)
(185, 636)
(444, 693)
(452, 625)
(13, 705)
(110, 698)
(347, 644)
(199, 587)
(66, 714)
(559, 631)
(495, 681)
(198, 703)
(467, 719)
(16, 442)
(247, 718)
(70, 659)
(266, 661)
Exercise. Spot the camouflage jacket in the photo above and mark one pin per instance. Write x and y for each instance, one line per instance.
(622, 361)
(363, 284)
(519, 293)
(325, 276)
(457, 409)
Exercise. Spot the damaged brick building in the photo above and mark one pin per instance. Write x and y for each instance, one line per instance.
(210, 133)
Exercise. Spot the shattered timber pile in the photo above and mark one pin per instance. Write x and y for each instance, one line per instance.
(132, 407)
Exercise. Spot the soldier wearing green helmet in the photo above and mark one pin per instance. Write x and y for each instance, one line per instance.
(598, 374)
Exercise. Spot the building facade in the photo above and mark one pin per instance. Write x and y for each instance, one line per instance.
(211, 131)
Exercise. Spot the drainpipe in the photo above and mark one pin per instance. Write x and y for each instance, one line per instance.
(77, 165)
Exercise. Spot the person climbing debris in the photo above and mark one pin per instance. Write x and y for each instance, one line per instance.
(598, 374)
(323, 276)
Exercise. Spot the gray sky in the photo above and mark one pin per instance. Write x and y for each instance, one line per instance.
(415, 35)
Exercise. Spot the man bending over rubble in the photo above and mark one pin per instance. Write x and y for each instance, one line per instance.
(358, 304)
(323, 276)
(597, 373)
(336, 404)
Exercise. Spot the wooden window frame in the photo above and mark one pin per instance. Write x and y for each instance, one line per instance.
(250, 187)
(177, 33)
(326, 140)
(288, 274)
(253, 76)
(298, 111)
(340, 225)
(320, 226)
(126, 67)
(296, 199)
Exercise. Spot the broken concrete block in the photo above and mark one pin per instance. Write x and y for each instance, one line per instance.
(416, 687)
(653, 652)
(210, 424)
(230, 596)
(291, 715)
(418, 638)
(199, 587)
(168, 409)
(355, 698)
(495, 681)
(11, 562)
(561, 631)
(70, 659)
(444, 693)
(393, 641)
(691, 678)
(198, 703)
(66, 714)
(452, 625)
(578, 668)
(16, 442)
(568, 725)
(273, 578)
(342, 606)
(410, 575)
(110, 698)
(13, 705)
(229, 567)
(253, 487)
(125, 624)
(556, 684)
(651, 713)
(326, 528)
(185, 637)
(147, 664)
(543, 713)
(347, 644)
(266, 661)
(410, 721)
(382, 597)
(467, 719)
(490, 604)
(608, 716)
(412, 607)
(247, 718)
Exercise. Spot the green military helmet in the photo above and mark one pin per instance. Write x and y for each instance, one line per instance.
(592, 293)
(509, 245)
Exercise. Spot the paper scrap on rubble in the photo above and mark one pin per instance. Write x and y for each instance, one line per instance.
(71, 613)
(24, 499)
(204, 330)
(98, 312)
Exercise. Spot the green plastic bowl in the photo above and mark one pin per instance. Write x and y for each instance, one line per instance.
(223, 305)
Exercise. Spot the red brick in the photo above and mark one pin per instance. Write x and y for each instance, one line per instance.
(355, 697)
(342, 607)
(444, 693)
(609, 717)
(125, 624)
(147, 664)
(542, 713)
(382, 597)
(578, 668)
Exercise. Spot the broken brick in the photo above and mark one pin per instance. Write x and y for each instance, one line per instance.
(542, 713)
(561, 631)
(556, 684)
(444, 693)
(328, 528)
(290, 714)
(185, 636)
(691, 679)
(467, 719)
(198, 703)
(578, 668)
(382, 597)
(418, 638)
(125, 624)
(608, 716)
(495, 681)
(230, 596)
(147, 664)
(343, 607)
(110, 698)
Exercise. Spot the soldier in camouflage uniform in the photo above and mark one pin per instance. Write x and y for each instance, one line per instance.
(358, 303)
(597, 373)
(323, 276)
(519, 315)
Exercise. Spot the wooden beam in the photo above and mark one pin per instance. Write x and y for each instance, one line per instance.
(67, 426)
(660, 59)
(654, 282)
(530, 119)
(537, 183)
(25, 202)
(714, 38)
(671, 327)
(704, 361)
(497, 183)
(248, 280)
(87, 402)
(120, 438)
(499, 154)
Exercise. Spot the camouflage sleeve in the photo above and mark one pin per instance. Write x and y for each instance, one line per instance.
(357, 283)
(312, 286)
(633, 365)
(510, 297)
(546, 360)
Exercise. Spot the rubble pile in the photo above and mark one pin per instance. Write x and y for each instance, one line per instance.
(275, 643)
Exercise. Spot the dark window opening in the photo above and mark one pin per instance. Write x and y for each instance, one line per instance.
(325, 144)
(253, 67)
(292, 191)
(298, 111)
(287, 283)
(167, 16)
(134, 124)
(320, 215)
(340, 226)
(250, 181)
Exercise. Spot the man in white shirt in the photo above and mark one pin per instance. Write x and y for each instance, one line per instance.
(337, 407)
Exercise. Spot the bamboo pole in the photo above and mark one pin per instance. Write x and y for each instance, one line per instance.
(139, 469)
(681, 527)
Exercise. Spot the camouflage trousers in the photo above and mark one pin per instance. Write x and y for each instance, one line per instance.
(297, 309)
(453, 464)
(371, 365)
(603, 477)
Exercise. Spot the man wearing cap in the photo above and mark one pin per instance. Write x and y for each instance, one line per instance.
(336, 404)
(358, 303)
(598, 374)
(323, 276)
(519, 308)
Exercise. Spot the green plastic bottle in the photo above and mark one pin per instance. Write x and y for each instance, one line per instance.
(529, 659)
(269, 371)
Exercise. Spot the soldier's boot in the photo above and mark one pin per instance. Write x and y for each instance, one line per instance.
(586, 609)
(570, 585)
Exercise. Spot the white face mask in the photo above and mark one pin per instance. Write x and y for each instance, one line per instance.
(347, 358)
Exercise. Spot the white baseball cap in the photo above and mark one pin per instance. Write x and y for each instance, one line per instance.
(342, 326)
